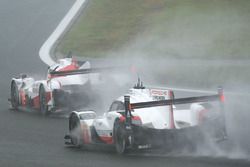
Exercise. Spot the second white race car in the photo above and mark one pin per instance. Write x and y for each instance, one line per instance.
(68, 83)
(149, 118)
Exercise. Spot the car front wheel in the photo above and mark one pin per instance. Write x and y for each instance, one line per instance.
(14, 95)
(75, 130)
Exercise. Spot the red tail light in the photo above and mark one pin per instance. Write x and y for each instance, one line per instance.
(221, 94)
(136, 120)
(222, 98)
(122, 119)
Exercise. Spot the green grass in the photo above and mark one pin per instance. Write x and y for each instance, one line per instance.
(106, 25)
(165, 30)
(175, 28)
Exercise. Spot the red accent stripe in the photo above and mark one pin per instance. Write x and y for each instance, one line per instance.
(72, 66)
(122, 119)
(36, 102)
(137, 118)
(23, 98)
(107, 139)
(85, 134)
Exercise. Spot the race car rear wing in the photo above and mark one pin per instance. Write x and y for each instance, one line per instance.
(81, 71)
(172, 101)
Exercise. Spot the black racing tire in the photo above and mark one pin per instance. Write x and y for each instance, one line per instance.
(43, 101)
(74, 129)
(120, 137)
(14, 95)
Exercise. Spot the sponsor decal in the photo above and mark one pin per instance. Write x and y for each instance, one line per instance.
(158, 92)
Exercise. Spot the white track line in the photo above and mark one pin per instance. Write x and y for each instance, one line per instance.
(45, 50)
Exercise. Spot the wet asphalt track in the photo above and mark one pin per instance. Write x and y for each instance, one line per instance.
(29, 139)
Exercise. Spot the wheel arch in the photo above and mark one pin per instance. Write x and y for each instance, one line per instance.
(74, 116)
(17, 81)
(45, 85)
(46, 109)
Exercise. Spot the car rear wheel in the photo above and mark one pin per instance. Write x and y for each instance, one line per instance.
(120, 138)
(43, 101)
(74, 129)
(14, 95)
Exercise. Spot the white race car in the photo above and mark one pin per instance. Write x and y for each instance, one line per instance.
(60, 90)
(148, 118)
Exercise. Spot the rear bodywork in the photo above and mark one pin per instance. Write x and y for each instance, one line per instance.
(205, 122)
(150, 118)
